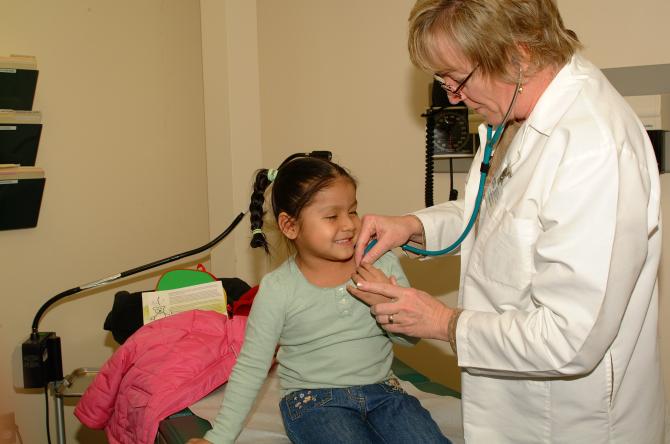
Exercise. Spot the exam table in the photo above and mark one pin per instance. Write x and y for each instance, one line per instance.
(265, 425)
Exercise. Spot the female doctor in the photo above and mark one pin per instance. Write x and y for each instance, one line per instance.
(556, 330)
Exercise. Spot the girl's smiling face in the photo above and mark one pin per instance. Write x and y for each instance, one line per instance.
(327, 229)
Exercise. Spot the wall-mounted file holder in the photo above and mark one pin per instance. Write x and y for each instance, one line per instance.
(19, 136)
(21, 190)
(18, 80)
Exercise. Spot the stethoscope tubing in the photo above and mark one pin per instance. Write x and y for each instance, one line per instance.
(491, 141)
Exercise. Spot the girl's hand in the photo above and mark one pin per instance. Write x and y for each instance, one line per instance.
(197, 441)
(369, 273)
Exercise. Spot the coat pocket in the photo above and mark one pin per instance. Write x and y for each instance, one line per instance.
(137, 397)
(508, 252)
(609, 375)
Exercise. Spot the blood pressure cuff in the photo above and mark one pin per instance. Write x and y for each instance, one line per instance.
(126, 315)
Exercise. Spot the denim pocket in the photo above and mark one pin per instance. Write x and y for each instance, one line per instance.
(304, 401)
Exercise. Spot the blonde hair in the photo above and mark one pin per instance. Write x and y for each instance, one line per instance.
(490, 33)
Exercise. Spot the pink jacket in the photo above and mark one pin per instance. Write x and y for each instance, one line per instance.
(164, 367)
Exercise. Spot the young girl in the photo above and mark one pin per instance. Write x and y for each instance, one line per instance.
(334, 360)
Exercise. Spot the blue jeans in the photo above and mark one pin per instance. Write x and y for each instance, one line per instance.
(375, 413)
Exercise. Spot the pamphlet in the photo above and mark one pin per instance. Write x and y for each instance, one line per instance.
(160, 304)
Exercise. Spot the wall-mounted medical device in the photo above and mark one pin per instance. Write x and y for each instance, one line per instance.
(450, 140)
(447, 126)
(660, 139)
(646, 88)
(450, 132)
(653, 110)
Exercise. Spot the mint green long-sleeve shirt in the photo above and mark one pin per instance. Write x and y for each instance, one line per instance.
(326, 337)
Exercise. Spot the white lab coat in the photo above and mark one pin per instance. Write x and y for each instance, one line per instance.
(558, 340)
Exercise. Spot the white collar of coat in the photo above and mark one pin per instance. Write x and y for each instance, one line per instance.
(561, 93)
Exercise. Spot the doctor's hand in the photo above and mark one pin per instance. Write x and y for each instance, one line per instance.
(389, 232)
(403, 310)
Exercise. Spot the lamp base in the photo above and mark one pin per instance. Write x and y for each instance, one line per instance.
(42, 360)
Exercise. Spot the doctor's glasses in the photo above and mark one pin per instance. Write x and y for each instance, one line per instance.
(455, 92)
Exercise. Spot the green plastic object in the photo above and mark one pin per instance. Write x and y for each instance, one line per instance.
(183, 278)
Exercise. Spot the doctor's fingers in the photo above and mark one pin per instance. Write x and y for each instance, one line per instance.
(379, 234)
(400, 302)
(367, 298)
(389, 290)
(365, 235)
(418, 321)
(410, 324)
(374, 298)
(413, 303)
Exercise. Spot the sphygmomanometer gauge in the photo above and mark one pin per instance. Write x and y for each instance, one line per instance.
(451, 133)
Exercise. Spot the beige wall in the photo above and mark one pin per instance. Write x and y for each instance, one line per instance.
(233, 136)
(619, 34)
(121, 92)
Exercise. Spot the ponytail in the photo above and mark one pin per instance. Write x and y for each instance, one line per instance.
(256, 210)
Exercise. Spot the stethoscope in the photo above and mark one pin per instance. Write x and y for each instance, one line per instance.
(492, 138)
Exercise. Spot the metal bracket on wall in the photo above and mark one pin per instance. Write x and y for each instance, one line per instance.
(640, 80)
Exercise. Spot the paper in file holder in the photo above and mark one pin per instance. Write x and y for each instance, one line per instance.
(21, 190)
(19, 136)
(18, 80)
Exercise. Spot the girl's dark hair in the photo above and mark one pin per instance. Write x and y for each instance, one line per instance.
(293, 189)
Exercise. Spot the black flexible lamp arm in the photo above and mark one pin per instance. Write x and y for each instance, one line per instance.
(35, 328)
(132, 271)
(34, 333)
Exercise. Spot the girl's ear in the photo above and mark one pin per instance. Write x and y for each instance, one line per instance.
(287, 225)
